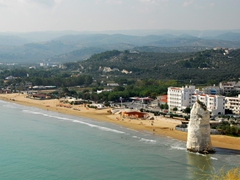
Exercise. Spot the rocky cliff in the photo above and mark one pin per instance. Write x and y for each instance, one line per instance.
(199, 130)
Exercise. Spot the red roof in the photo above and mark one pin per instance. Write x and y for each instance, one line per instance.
(163, 98)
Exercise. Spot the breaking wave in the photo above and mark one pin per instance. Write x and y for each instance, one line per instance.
(75, 121)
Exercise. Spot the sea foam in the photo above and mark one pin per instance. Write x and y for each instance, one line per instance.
(9, 106)
(178, 148)
(148, 140)
(214, 158)
(75, 121)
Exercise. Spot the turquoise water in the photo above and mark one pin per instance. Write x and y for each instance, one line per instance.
(38, 144)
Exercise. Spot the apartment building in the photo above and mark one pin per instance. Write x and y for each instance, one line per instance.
(187, 96)
(233, 103)
(215, 103)
(180, 97)
(213, 90)
(230, 87)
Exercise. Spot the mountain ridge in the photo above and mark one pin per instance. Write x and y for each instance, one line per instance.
(63, 46)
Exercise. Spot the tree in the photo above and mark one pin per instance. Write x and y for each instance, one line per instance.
(118, 88)
(161, 106)
(88, 80)
(165, 106)
(187, 110)
(107, 104)
(175, 109)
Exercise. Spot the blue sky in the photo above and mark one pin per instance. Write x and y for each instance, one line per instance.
(101, 15)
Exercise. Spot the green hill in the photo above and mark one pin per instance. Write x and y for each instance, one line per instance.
(210, 66)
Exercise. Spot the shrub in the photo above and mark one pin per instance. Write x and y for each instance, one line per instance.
(232, 174)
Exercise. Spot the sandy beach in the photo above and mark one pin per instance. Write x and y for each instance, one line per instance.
(159, 126)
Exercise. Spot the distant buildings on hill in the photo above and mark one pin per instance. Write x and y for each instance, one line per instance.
(230, 87)
(213, 90)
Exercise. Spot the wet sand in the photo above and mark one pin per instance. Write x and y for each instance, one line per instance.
(159, 126)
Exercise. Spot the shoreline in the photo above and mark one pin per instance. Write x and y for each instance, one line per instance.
(160, 126)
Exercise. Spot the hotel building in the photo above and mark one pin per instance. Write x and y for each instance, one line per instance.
(233, 103)
(186, 96)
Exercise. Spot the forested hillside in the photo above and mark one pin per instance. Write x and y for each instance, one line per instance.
(210, 66)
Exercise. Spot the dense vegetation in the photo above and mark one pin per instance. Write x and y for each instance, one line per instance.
(74, 80)
(148, 74)
(42, 77)
(142, 88)
(182, 49)
(139, 65)
(205, 67)
(229, 129)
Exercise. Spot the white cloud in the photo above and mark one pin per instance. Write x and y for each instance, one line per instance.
(113, 1)
(147, 1)
(4, 3)
(15, 3)
(97, 1)
(212, 4)
(32, 15)
(49, 3)
(188, 3)
(155, 2)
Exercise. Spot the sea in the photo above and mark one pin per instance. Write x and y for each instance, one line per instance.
(37, 144)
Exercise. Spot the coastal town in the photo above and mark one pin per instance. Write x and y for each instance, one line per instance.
(167, 114)
(203, 117)
(114, 89)
(177, 98)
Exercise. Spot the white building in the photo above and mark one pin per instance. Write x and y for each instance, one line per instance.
(112, 84)
(126, 72)
(215, 103)
(233, 103)
(108, 69)
(10, 78)
(28, 84)
(230, 87)
(180, 97)
(187, 96)
(214, 90)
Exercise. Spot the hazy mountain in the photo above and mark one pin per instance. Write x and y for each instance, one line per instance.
(75, 46)
(8, 40)
(229, 36)
(166, 40)
(34, 52)
(86, 52)
(43, 36)
(196, 33)
(166, 43)
(40, 36)
(178, 42)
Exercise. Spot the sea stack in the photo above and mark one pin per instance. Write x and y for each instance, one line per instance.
(199, 130)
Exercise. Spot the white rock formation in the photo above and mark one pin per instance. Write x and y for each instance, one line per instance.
(199, 130)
